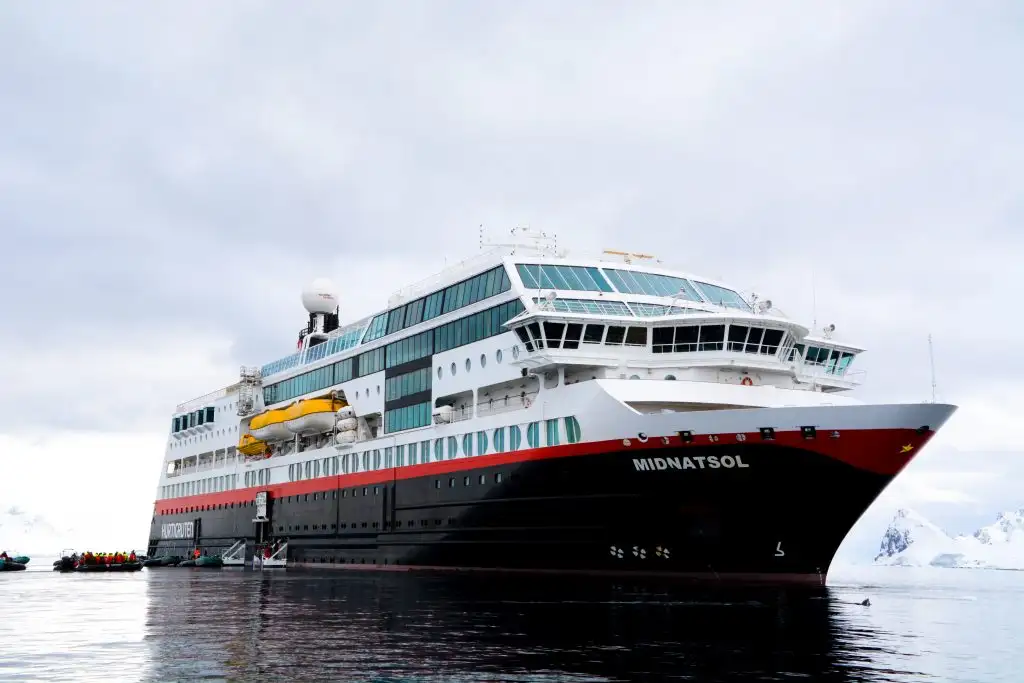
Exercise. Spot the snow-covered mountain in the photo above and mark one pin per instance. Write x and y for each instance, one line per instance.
(913, 541)
(24, 533)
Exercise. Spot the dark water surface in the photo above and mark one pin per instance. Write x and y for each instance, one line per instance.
(194, 624)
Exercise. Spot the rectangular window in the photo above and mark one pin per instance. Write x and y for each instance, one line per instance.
(407, 417)
(552, 432)
(410, 349)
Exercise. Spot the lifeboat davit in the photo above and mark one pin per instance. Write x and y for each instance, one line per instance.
(312, 416)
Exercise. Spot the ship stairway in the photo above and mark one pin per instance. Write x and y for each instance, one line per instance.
(235, 555)
(277, 560)
(250, 382)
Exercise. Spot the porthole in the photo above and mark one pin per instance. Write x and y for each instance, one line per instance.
(483, 360)
(497, 355)
(454, 369)
(670, 377)
(515, 352)
(468, 365)
(440, 371)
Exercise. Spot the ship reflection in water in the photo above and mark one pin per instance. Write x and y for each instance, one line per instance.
(414, 627)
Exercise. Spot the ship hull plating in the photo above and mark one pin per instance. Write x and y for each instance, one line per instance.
(744, 511)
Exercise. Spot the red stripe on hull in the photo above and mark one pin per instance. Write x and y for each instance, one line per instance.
(881, 451)
(702, 577)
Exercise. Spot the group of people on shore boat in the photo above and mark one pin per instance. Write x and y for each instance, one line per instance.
(4, 555)
(89, 557)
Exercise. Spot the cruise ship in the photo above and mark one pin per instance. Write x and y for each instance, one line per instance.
(528, 411)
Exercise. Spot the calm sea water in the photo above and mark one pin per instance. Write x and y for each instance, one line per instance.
(194, 624)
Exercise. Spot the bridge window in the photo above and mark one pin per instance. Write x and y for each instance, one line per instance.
(553, 334)
(635, 282)
(615, 335)
(574, 278)
(593, 334)
(573, 331)
(636, 336)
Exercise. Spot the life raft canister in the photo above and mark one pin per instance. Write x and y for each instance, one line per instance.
(747, 382)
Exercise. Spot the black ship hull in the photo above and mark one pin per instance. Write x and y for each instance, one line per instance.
(749, 511)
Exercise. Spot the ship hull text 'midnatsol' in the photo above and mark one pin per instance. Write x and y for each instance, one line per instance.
(527, 411)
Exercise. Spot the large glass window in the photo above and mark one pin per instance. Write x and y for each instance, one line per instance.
(635, 282)
(575, 278)
(407, 384)
(408, 417)
(721, 296)
(378, 327)
(475, 327)
(409, 349)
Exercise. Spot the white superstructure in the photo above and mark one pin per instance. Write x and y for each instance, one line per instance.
(519, 347)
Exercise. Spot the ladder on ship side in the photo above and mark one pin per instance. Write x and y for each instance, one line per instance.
(249, 382)
(235, 555)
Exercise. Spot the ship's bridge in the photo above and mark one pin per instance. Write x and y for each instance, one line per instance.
(672, 339)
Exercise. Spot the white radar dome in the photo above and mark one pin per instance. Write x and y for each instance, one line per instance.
(320, 296)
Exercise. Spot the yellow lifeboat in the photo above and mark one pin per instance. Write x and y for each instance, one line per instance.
(269, 426)
(312, 416)
(250, 445)
(309, 416)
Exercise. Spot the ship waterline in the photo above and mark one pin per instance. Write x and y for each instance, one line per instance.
(527, 412)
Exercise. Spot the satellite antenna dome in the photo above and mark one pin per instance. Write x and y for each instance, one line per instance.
(320, 296)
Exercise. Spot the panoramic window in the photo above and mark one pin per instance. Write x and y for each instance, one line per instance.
(635, 282)
(575, 278)
(721, 296)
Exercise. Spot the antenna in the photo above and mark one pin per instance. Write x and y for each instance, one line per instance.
(814, 302)
(931, 360)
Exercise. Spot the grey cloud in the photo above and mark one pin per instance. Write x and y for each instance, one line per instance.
(188, 168)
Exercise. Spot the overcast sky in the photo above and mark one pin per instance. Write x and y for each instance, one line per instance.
(170, 177)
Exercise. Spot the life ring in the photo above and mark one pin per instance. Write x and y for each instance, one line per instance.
(747, 382)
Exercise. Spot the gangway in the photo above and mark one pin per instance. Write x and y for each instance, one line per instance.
(235, 555)
(278, 558)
